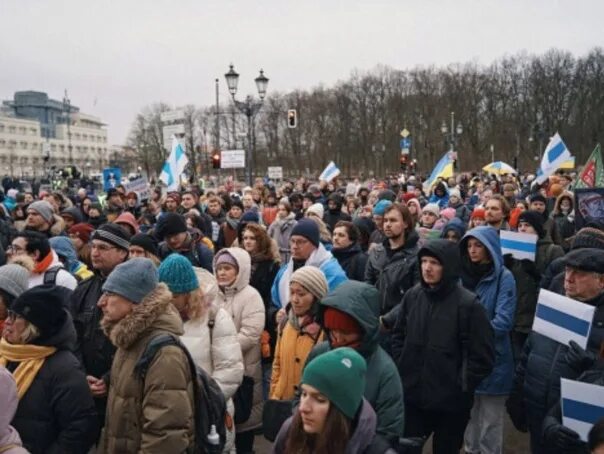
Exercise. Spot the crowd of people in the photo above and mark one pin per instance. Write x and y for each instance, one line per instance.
(333, 317)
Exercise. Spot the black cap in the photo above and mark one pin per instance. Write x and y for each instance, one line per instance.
(42, 306)
(586, 259)
(537, 198)
(114, 234)
(170, 224)
(147, 242)
(535, 219)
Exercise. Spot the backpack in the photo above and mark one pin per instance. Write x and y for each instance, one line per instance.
(50, 276)
(210, 404)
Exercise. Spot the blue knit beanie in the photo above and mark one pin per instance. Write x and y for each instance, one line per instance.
(380, 208)
(133, 279)
(308, 229)
(177, 273)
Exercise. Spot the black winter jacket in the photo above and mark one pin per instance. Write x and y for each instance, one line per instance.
(57, 413)
(536, 386)
(393, 272)
(332, 217)
(262, 277)
(352, 260)
(442, 341)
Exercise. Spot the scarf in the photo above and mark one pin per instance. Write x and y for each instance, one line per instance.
(43, 264)
(472, 273)
(305, 324)
(30, 358)
(232, 222)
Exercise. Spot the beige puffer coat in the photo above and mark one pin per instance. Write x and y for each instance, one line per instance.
(244, 304)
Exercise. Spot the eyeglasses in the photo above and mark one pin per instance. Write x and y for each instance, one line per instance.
(14, 248)
(102, 247)
(298, 243)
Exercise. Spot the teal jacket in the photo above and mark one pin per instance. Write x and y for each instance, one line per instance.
(383, 388)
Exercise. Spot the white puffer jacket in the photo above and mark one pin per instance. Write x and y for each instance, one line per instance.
(219, 355)
(244, 304)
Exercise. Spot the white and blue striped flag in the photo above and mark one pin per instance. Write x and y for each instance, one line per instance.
(556, 153)
(520, 245)
(174, 165)
(563, 319)
(582, 405)
(330, 172)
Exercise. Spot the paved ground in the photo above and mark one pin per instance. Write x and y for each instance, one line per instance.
(514, 442)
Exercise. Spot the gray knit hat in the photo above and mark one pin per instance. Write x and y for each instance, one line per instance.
(312, 279)
(14, 279)
(43, 208)
(133, 279)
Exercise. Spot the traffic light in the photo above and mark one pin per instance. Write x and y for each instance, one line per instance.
(216, 160)
(292, 118)
(404, 162)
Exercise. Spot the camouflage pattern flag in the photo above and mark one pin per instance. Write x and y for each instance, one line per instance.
(592, 175)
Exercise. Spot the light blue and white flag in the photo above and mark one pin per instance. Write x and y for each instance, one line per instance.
(174, 165)
(563, 319)
(582, 405)
(330, 172)
(521, 245)
(556, 153)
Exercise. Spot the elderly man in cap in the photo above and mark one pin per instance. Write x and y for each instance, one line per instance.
(40, 218)
(109, 247)
(544, 361)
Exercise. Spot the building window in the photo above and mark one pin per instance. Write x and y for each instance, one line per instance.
(22, 130)
(24, 145)
(53, 147)
(1, 127)
(12, 129)
(2, 142)
(77, 136)
(62, 147)
(84, 136)
(33, 131)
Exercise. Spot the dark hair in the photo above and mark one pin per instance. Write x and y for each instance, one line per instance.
(351, 230)
(406, 215)
(286, 205)
(35, 242)
(333, 438)
(7, 298)
(595, 438)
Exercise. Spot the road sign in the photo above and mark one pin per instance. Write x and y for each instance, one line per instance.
(275, 173)
(172, 115)
(169, 131)
(232, 159)
(406, 143)
(405, 132)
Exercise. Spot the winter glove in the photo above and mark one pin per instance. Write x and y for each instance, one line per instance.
(517, 414)
(563, 439)
(578, 358)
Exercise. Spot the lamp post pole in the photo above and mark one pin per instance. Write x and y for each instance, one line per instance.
(452, 134)
(249, 108)
(67, 107)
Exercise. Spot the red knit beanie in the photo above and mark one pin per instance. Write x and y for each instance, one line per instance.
(408, 196)
(335, 319)
(82, 230)
(478, 213)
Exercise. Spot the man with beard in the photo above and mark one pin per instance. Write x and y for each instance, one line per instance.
(392, 265)
(497, 211)
(216, 212)
(538, 203)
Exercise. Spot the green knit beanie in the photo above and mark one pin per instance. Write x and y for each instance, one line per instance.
(177, 273)
(340, 376)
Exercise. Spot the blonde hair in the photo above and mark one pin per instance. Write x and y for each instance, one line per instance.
(196, 305)
(30, 332)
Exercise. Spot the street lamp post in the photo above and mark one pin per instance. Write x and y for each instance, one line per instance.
(67, 108)
(452, 134)
(249, 108)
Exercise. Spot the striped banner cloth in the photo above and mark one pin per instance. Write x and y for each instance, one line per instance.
(582, 405)
(520, 245)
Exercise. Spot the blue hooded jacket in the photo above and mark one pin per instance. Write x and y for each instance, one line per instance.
(497, 294)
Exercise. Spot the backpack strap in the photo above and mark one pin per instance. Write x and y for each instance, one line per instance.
(156, 344)
(212, 321)
(50, 276)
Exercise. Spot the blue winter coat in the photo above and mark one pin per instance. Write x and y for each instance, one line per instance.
(442, 202)
(497, 294)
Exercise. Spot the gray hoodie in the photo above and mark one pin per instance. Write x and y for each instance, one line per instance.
(8, 404)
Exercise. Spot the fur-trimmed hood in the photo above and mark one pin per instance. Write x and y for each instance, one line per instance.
(154, 313)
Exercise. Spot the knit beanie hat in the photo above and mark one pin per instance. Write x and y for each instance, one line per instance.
(42, 306)
(316, 208)
(225, 257)
(407, 196)
(147, 242)
(454, 192)
(387, 194)
(478, 213)
(340, 376)
(448, 213)
(380, 208)
(114, 234)
(14, 279)
(170, 224)
(177, 273)
(43, 208)
(432, 208)
(336, 319)
(174, 196)
(82, 231)
(308, 229)
(588, 237)
(133, 279)
(535, 219)
(312, 279)
(537, 198)
(127, 218)
(250, 217)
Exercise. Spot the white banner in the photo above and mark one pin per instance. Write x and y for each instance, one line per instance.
(140, 186)
(232, 159)
(520, 245)
(582, 405)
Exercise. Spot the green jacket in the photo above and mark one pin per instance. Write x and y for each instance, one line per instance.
(383, 388)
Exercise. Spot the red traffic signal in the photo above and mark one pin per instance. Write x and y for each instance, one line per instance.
(216, 160)
(404, 159)
(292, 118)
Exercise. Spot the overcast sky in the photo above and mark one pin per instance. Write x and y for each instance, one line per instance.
(126, 54)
